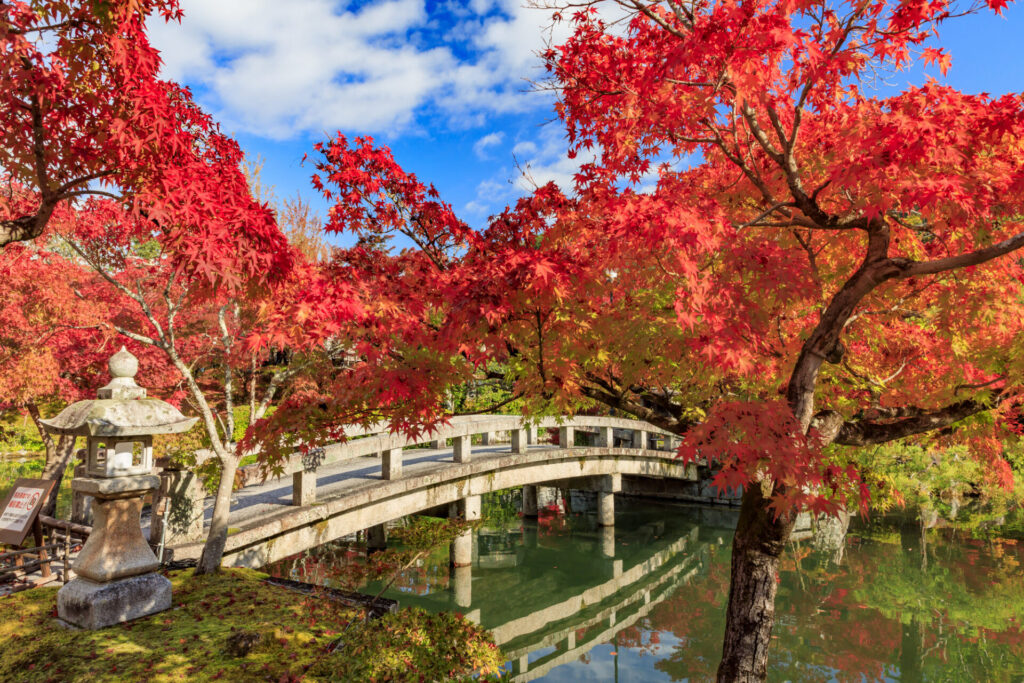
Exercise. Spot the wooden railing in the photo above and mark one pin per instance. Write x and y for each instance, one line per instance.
(18, 567)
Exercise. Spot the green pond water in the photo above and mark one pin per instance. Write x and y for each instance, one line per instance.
(645, 601)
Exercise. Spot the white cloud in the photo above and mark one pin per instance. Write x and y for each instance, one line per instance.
(489, 140)
(539, 161)
(549, 161)
(280, 69)
(524, 148)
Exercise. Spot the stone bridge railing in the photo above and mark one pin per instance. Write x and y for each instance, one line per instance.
(598, 431)
(645, 450)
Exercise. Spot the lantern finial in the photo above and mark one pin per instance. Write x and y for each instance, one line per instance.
(123, 368)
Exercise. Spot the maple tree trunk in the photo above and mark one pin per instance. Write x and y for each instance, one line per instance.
(756, 547)
(911, 650)
(216, 539)
(56, 465)
(58, 455)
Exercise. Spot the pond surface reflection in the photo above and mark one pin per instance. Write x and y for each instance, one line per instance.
(568, 600)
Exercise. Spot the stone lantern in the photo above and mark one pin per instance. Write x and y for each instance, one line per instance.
(116, 570)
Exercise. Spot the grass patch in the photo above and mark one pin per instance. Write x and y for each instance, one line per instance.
(12, 470)
(18, 434)
(190, 641)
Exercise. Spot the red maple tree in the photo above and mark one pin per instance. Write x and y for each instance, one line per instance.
(85, 114)
(765, 256)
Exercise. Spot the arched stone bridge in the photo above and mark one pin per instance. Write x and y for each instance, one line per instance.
(342, 489)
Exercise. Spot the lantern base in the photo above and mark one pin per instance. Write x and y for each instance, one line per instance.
(93, 606)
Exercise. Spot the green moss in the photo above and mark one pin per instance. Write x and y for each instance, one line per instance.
(420, 647)
(188, 641)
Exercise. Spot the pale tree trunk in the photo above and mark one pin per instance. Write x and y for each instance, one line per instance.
(217, 537)
(278, 378)
(229, 384)
(252, 388)
(759, 542)
(58, 456)
(165, 339)
(213, 549)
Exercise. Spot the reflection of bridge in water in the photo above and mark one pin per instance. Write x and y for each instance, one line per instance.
(547, 607)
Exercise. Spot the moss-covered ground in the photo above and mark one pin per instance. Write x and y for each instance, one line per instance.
(190, 642)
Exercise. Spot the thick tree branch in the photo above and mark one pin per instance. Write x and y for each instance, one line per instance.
(33, 411)
(972, 258)
(657, 418)
(917, 421)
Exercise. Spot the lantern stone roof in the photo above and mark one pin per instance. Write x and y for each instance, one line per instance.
(122, 408)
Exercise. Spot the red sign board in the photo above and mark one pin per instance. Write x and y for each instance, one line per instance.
(20, 508)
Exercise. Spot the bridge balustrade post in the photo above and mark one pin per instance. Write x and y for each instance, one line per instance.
(566, 437)
(303, 487)
(570, 641)
(519, 440)
(640, 439)
(531, 435)
(438, 444)
(391, 463)
(489, 438)
(461, 448)
(179, 498)
(605, 438)
(610, 484)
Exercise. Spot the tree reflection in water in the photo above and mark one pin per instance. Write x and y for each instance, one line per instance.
(565, 597)
(905, 604)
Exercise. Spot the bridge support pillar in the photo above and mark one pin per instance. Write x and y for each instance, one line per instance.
(610, 484)
(461, 448)
(391, 465)
(640, 439)
(376, 538)
(530, 501)
(462, 585)
(566, 437)
(461, 551)
(605, 438)
(519, 441)
(304, 487)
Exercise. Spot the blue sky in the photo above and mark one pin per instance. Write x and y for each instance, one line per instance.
(444, 84)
